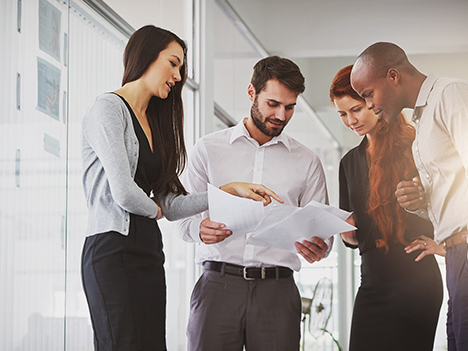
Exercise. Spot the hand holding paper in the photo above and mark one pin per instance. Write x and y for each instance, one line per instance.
(277, 226)
(284, 225)
(238, 214)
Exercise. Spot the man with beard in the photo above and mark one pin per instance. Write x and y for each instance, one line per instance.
(247, 295)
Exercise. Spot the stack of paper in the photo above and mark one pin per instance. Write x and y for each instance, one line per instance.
(276, 225)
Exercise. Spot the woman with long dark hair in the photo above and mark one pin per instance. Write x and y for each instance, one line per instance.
(398, 302)
(133, 153)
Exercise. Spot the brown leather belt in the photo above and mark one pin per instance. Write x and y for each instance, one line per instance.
(456, 239)
(249, 273)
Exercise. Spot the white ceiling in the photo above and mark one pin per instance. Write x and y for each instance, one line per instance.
(330, 28)
(322, 36)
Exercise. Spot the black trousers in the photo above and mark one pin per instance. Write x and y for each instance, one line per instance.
(124, 283)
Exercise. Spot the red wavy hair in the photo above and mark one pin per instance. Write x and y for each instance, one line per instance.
(390, 160)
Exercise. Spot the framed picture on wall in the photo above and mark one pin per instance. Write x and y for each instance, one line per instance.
(50, 19)
(48, 88)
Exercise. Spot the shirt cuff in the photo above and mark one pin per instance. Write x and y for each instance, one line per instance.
(329, 242)
(195, 230)
(421, 212)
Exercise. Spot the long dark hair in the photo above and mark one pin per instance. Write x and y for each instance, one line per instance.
(165, 116)
(390, 159)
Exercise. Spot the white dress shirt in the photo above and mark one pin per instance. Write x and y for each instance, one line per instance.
(440, 152)
(284, 165)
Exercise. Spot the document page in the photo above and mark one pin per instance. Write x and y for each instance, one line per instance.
(275, 225)
(239, 215)
(283, 225)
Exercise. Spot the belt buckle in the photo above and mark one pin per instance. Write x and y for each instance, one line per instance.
(262, 273)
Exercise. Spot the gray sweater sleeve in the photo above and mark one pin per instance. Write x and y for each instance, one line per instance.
(176, 207)
(103, 128)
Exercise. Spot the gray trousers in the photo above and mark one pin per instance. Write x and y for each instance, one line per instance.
(228, 312)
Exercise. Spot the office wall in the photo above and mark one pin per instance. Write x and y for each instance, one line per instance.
(33, 155)
(55, 58)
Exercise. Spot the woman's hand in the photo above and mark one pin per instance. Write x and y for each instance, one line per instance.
(255, 192)
(427, 245)
(350, 237)
(159, 215)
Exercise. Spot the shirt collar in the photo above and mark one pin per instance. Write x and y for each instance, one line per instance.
(241, 131)
(425, 90)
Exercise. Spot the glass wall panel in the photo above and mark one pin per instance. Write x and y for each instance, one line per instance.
(56, 57)
(33, 156)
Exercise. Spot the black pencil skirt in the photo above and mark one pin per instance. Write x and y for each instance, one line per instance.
(125, 285)
(398, 303)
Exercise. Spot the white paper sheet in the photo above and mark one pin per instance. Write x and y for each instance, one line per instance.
(239, 215)
(276, 225)
(283, 225)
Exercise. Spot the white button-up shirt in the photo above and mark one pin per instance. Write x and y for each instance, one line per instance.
(440, 152)
(284, 165)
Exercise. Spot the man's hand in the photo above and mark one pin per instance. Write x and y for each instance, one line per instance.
(313, 250)
(409, 194)
(255, 192)
(213, 232)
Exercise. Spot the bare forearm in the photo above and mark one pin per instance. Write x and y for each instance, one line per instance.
(350, 237)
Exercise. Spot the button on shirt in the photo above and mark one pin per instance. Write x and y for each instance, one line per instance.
(284, 165)
(440, 152)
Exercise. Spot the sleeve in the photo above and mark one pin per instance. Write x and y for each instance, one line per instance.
(316, 189)
(103, 128)
(421, 211)
(195, 179)
(455, 101)
(344, 196)
(176, 207)
(454, 116)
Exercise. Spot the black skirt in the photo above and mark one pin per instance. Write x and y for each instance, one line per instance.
(398, 303)
(124, 283)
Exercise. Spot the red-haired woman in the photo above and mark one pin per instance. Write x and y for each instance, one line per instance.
(397, 305)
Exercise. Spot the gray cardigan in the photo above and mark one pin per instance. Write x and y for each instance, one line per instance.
(110, 155)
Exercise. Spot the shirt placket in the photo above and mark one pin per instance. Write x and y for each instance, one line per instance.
(257, 176)
(424, 175)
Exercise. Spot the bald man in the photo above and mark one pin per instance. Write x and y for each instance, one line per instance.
(385, 78)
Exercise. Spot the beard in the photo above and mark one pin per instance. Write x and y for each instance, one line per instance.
(261, 122)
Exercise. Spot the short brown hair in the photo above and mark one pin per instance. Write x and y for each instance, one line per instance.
(282, 69)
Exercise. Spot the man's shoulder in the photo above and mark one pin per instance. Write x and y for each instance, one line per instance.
(217, 138)
(447, 89)
(442, 83)
(219, 134)
(299, 148)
